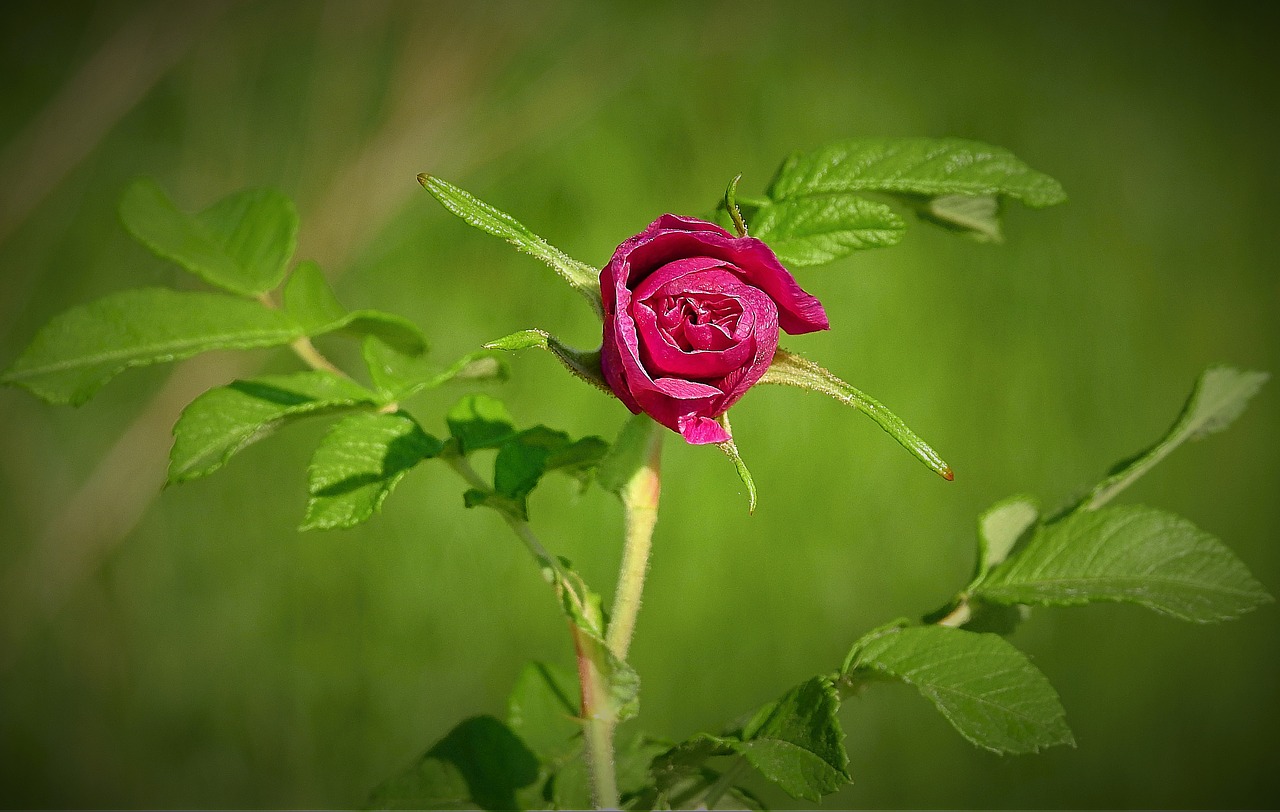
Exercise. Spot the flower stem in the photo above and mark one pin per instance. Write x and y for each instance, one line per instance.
(598, 722)
(640, 503)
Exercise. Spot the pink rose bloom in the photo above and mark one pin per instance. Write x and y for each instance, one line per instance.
(691, 320)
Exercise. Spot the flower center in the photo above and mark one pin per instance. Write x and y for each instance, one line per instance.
(699, 321)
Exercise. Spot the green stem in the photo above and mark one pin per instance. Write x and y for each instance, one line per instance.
(722, 785)
(598, 714)
(598, 721)
(640, 498)
(640, 505)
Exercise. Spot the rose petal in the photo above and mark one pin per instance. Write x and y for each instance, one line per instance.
(697, 430)
(691, 320)
(798, 312)
(662, 355)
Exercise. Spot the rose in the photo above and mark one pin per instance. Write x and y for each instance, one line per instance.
(691, 320)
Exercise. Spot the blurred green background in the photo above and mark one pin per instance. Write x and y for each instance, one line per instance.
(187, 647)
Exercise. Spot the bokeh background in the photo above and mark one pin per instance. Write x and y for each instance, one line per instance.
(188, 647)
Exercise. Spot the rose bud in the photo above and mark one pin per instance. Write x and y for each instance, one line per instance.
(691, 320)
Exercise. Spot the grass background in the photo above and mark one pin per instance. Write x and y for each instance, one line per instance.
(187, 647)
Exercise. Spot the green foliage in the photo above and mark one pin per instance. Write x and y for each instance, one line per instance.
(580, 276)
(359, 461)
(1132, 554)
(480, 763)
(81, 349)
(815, 210)
(789, 369)
(585, 610)
(309, 300)
(813, 213)
(796, 742)
(1000, 527)
(242, 243)
(480, 421)
(987, 689)
(526, 456)
(817, 230)
(399, 376)
(228, 418)
(976, 217)
(920, 166)
(1218, 398)
(541, 710)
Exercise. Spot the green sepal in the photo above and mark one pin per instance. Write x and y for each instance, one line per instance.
(789, 369)
(580, 276)
(242, 243)
(731, 207)
(584, 364)
(730, 449)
